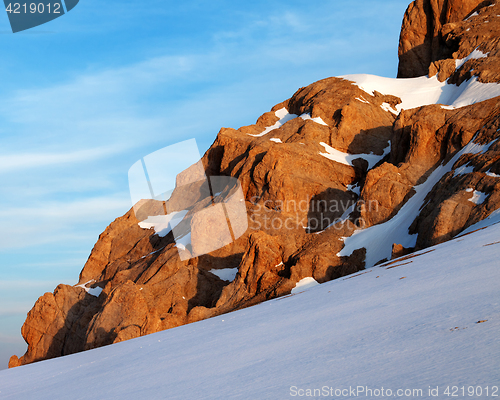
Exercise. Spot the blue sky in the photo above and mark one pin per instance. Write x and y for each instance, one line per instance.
(85, 96)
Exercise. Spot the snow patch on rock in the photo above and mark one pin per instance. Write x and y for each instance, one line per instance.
(388, 107)
(163, 224)
(362, 100)
(318, 120)
(354, 188)
(347, 159)
(463, 170)
(226, 274)
(475, 55)
(92, 291)
(422, 91)
(284, 116)
(477, 196)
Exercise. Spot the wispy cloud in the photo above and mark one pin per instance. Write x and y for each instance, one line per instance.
(27, 283)
(57, 222)
(11, 339)
(21, 161)
(77, 210)
(9, 309)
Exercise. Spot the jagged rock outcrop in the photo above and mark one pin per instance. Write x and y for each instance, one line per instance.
(424, 32)
(452, 205)
(54, 319)
(339, 159)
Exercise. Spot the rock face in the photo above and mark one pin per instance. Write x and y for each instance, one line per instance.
(302, 194)
(423, 34)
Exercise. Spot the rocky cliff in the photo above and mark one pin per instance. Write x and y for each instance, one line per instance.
(346, 173)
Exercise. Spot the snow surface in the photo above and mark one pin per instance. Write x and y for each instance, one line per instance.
(226, 274)
(276, 140)
(378, 239)
(406, 325)
(347, 159)
(304, 284)
(421, 91)
(474, 92)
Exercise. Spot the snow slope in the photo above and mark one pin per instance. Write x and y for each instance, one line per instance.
(408, 325)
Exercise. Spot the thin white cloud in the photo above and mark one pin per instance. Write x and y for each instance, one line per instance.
(76, 210)
(26, 283)
(59, 264)
(11, 339)
(57, 221)
(9, 309)
(15, 162)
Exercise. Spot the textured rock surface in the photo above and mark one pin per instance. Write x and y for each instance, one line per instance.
(296, 197)
(54, 318)
(449, 208)
(422, 39)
